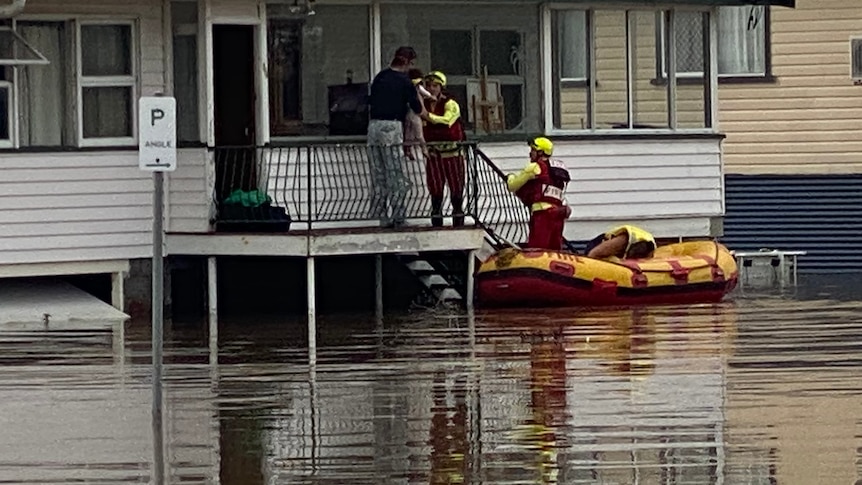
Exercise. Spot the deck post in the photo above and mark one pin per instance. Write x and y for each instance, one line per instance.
(118, 293)
(312, 313)
(471, 271)
(378, 287)
(212, 306)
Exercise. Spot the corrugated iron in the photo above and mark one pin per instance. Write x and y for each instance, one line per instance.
(821, 214)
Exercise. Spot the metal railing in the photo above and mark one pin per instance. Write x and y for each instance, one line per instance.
(271, 188)
(505, 218)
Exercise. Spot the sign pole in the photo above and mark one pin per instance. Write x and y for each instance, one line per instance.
(157, 327)
(157, 153)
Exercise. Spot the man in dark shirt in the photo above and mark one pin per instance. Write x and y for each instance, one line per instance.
(392, 94)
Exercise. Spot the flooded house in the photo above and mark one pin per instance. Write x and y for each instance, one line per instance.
(271, 116)
(789, 106)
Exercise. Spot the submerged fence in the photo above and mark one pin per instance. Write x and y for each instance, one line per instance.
(269, 188)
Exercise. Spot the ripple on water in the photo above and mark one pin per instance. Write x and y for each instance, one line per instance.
(754, 390)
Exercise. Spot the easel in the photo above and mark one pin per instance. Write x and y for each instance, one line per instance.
(489, 114)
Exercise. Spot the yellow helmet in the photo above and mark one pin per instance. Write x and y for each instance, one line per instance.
(437, 77)
(542, 144)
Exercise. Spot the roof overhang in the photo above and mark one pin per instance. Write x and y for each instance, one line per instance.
(674, 3)
(15, 51)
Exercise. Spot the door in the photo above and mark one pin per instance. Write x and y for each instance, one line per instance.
(233, 79)
(234, 109)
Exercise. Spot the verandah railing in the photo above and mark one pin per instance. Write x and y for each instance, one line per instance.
(281, 188)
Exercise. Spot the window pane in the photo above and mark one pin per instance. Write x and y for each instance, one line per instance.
(610, 52)
(107, 112)
(459, 40)
(106, 50)
(691, 105)
(185, 48)
(4, 113)
(184, 12)
(649, 101)
(742, 40)
(500, 51)
(42, 90)
(572, 38)
(186, 87)
(318, 70)
(451, 51)
(688, 30)
(569, 48)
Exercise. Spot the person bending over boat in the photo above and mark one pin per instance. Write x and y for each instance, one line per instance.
(541, 185)
(624, 242)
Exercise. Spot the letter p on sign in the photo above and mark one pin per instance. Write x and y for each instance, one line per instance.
(157, 134)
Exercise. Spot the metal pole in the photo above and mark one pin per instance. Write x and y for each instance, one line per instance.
(158, 322)
(471, 282)
(378, 288)
(312, 312)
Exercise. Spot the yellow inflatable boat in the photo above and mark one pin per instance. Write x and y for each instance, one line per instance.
(687, 272)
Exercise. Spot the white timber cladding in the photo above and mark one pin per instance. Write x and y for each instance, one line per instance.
(671, 189)
(88, 206)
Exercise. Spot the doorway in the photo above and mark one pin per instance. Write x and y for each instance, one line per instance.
(234, 108)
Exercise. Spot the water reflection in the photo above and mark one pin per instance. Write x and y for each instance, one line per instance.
(763, 389)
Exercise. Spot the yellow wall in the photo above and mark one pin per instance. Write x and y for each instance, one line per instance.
(810, 119)
(650, 101)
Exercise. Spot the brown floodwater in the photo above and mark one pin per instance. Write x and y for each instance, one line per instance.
(763, 388)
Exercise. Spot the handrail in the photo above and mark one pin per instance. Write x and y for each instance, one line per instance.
(346, 182)
(503, 215)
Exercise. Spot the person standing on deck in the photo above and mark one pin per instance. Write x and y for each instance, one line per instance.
(392, 95)
(541, 185)
(445, 163)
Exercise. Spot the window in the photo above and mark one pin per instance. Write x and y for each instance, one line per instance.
(43, 114)
(69, 96)
(318, 70)
(619, 46)
(106, 83)
(571, 40)
(482, 52)
(742, 34)
(570, 45)
(184, 23)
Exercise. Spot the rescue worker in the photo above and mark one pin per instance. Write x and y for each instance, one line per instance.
(541, 185)
(624, 242)
(443, 132)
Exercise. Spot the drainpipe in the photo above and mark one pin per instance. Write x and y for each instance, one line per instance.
(13, 9)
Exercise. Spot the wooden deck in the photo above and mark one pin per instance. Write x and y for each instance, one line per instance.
(327, 242)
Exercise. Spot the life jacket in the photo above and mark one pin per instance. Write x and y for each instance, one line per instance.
(437, 132)
(549, 186)
(635, 234)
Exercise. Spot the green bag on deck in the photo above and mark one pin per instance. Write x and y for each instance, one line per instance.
(252, 198)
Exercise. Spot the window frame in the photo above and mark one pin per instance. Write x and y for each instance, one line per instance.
(732, 78)
(551, 98)
(12, 111)
(130, 81)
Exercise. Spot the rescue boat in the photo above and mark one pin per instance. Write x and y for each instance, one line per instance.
(680, 273)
